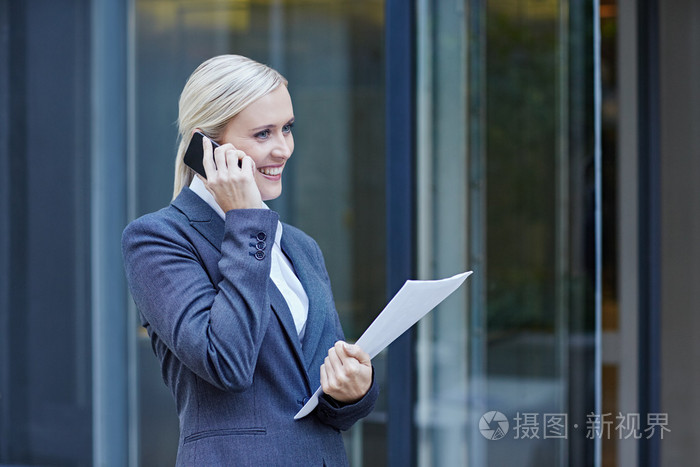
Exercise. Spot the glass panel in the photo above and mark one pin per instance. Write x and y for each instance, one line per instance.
(506, 189)
(610, 324)
(332, 54)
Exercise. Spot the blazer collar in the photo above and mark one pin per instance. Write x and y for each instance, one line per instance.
(201, 216)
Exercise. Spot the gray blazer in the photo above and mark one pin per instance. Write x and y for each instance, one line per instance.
(226, 339)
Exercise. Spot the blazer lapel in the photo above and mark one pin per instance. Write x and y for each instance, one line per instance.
(280, 308)
(310, 280)
(202, 217)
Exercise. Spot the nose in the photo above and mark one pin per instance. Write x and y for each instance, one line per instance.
(284, 146)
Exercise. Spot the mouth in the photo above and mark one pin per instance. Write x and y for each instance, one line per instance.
(271, 172)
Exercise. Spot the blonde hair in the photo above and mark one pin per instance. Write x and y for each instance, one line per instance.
(218, 90)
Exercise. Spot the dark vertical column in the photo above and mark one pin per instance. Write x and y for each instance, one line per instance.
(45, 375)
(582, 324)
(400, 181)
(108, 218)
(12, 226)
(4, 230)
(649, 224)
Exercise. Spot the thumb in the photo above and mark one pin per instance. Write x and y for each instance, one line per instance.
(356, 352)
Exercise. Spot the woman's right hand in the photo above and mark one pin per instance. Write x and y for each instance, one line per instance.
(233, 187)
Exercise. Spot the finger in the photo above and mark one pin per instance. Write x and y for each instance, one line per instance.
(220, 156)
(324, 378)
(334, 361)
(331, 378)
(228, 146)
(341, 351)
(356, 352)
(247, 164)
(232, 159)
(208, 157)
(343, 356)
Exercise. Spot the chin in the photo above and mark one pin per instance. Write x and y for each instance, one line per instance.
(270, 196)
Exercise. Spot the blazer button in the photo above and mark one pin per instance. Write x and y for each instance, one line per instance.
(260, 245)
(261, 236)
(259, 255)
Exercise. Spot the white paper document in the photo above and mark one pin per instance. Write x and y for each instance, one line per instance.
(410, 304)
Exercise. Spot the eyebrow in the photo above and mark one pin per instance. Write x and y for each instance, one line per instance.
(271, 125)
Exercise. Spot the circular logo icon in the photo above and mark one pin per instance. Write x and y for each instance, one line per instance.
(493, 425)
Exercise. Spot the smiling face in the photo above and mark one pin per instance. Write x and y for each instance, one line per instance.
(263, 130)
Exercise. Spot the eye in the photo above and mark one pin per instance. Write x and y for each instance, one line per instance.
(263, 134)
(288, 128)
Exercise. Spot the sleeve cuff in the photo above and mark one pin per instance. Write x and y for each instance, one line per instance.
(342, 416)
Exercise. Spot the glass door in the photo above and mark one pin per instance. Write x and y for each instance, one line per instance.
(332, 53)
(506, 164)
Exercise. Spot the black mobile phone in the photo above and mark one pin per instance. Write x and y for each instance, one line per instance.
(194, 156)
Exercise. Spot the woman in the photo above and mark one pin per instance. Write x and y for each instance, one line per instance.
(239, 306)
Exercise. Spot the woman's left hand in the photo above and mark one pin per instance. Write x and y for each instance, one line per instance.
(346, 374)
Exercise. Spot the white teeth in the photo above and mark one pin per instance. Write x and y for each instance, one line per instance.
(270, 170)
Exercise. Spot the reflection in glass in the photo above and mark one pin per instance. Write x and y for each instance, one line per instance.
(505, 177)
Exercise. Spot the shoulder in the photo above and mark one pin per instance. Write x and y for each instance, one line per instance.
(165, 231)
(162, 221)
(298, 237)
(297, 234)
(295, 238)
(173, 219)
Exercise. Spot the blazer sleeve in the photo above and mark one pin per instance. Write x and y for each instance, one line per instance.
(216, 331)
(329, 411)
(343, 416)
